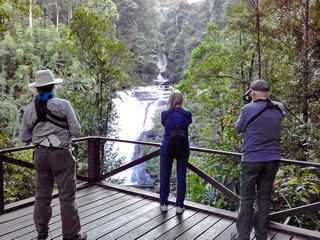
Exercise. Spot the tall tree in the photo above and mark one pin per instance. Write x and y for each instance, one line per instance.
(10, 7)
(207, 84)
(30, 14)
(57, 8)
(70, 10)
(305, 61)
(104, 58)
(257, 12)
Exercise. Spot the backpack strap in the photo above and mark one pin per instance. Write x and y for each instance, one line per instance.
(51, 121)
(187, 116)
(55, 117)
(269, 105)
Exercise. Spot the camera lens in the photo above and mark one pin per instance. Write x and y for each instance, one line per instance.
(247, 97)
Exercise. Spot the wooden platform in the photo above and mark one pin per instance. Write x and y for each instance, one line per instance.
(115, 212)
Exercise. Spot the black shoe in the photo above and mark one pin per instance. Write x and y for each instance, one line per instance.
(80, 236)
(42, 236)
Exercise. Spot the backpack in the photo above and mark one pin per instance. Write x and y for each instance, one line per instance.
(46, 119)
(178, 139)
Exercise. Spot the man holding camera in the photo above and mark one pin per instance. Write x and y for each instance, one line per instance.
(260, 121)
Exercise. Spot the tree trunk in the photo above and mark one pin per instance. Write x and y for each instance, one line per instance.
(30, 14)
(69, 10)
(251, 68)
(57, 14)
(305, 59)
(258, 37)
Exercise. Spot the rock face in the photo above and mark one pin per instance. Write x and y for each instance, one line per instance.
(152, 93)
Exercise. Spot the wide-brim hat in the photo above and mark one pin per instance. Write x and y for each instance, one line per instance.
(44, 78)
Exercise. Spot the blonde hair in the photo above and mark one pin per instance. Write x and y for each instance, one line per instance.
(175, 99)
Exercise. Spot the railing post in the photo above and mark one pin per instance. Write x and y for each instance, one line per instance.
(94, 160)
(1, 186)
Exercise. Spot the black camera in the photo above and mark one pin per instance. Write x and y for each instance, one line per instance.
(247, 97)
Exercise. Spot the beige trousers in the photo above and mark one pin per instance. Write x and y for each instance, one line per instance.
(55, 165)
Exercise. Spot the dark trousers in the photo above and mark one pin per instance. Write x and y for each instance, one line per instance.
(55, 166)
(166, 167)
(256, 181)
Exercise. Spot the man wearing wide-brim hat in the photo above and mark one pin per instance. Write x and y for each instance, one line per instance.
(49, 123)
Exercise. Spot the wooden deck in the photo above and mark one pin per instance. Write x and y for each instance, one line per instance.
(115, 212)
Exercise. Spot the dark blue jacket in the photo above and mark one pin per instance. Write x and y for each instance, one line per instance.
(262, 136)
(171, 121)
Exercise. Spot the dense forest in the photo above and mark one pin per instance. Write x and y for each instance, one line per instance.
(214, 50)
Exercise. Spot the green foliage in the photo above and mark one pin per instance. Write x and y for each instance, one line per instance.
(106, 9)
(10, 7)
(21, 51)
(209, 92)
(137, 27)
(18, 181)
(220, 71)
(298, 185)
(295, 187)
(105, 60)
(196, 187)
(224, 170)
(219, 61)
(183, 28)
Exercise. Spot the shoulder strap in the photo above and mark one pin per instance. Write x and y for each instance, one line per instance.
(57, 124)
(165, 118)
(55, 117)
(51, 121)
(187, 116)
(269, 105)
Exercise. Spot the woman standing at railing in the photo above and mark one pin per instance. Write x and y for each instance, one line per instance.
(175, 145)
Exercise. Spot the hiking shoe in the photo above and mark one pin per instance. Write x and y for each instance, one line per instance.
(42, 236)
(80, 236)
(180, 210)
(164, 208)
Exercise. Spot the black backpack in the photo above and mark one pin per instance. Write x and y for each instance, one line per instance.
(178, 139)
(55, 117)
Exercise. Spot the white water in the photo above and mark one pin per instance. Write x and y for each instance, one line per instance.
(135, 116)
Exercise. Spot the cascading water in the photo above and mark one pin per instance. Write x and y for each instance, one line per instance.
(136, 109)
(162, 65)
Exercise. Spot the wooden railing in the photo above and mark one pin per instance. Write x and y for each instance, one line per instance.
(94, 171)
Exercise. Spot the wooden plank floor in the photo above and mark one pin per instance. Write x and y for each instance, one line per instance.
(113, 214)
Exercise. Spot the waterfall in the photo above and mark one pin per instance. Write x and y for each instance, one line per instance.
(136, 109)
(162, 65)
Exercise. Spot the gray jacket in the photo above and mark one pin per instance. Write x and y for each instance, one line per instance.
(262, 136)
(57, 106)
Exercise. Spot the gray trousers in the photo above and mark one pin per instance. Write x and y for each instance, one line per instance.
(256, 181)
(55, 165)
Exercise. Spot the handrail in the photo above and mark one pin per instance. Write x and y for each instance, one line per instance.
(8, 150)
(227, 192)
(94, 169)
(131, 164)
